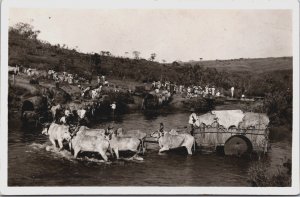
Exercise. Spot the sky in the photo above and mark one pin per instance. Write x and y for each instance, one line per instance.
(173, 34)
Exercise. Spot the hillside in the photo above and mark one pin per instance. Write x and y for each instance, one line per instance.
(271, 78)
(256, 65)
(244, 74)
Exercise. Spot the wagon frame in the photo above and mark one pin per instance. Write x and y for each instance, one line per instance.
(235, 140)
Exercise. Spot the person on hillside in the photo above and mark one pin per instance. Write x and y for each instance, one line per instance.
(158, 84)
(213, 90)
(103, 78)
(232, 91)
(206, 89)
(156, 90)
(98, 80)
(153, 85)
(182, 88)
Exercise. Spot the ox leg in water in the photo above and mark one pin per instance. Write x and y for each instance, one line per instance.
(163, 149)
(53, 143)
(60, 143)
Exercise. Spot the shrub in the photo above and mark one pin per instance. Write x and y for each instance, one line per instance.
(261, 176)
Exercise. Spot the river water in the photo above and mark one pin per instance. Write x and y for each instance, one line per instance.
(33, 162)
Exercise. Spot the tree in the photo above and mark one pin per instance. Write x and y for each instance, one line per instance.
(105, 53)
(96, 62)
(126, 54)
(152, 56)
(136, 54)
(26, 30)
(175, 63)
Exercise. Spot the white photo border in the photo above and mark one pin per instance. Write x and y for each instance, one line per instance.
(147, 4)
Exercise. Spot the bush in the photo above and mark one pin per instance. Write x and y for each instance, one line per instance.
(260, 176)
(280, 133)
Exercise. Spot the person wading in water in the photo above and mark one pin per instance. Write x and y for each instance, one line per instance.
(161, 128)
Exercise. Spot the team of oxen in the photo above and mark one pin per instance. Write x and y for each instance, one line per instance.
(113, 140)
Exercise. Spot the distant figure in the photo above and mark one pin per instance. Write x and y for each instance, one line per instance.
(158, 84)
(113, 106)
(153, 85)
(161, 128)
(206, 89)
(180, 88)
(232, 92)
(213, 90)
(209, 91)
(98, 80)
(218, 94)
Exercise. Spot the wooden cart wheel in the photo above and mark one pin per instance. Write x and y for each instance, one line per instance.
(237, 145)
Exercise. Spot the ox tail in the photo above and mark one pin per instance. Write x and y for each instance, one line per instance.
(194, 145)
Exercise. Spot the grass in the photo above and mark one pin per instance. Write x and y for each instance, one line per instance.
(256, 65)
(260, 175)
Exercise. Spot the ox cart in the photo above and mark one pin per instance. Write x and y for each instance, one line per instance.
(236, 131)
(34, 110)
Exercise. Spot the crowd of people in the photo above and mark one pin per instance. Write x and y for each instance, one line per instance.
(191, 91)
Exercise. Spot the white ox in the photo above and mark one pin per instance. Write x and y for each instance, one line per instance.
(32, 72)
(134, 134)
(169, 141)
(13, 70)
(87, 143)
(57, 133)
(123, 144)
(91, 132)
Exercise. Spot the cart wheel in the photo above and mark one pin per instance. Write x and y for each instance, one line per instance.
(238, 145)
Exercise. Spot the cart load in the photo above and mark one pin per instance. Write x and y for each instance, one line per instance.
(239, 132)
